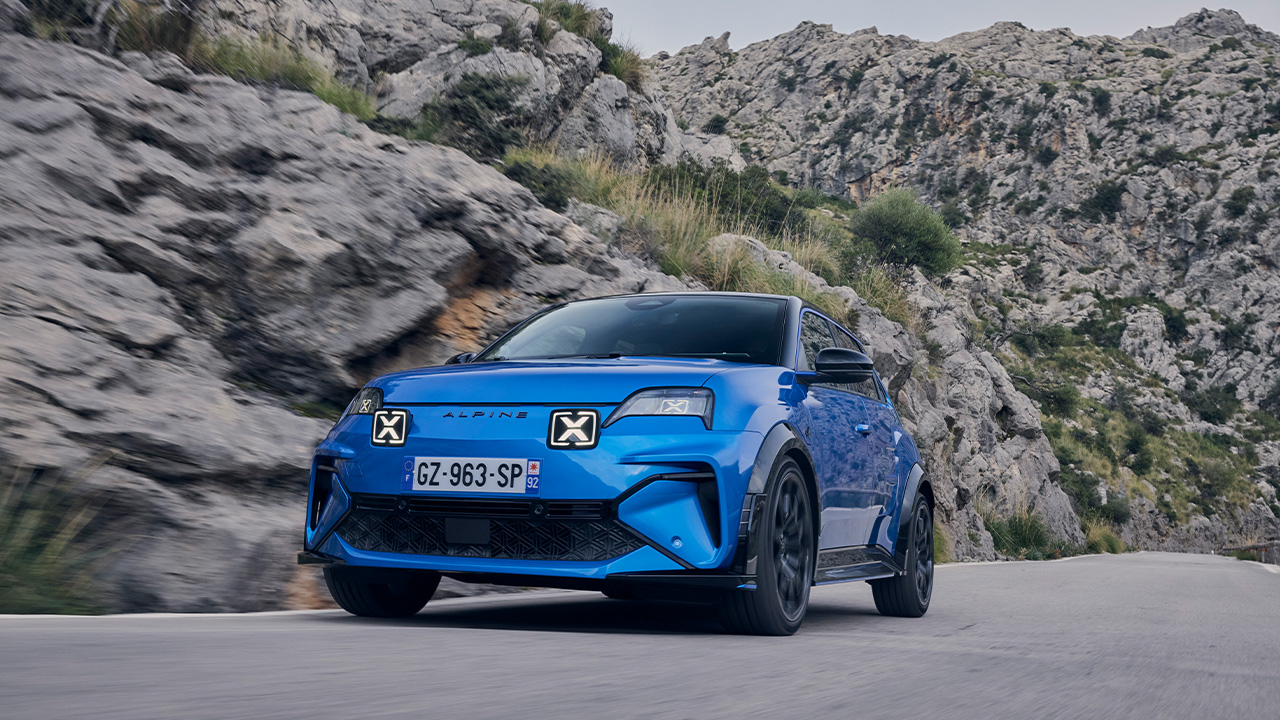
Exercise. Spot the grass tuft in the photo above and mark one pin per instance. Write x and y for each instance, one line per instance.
(941, 544)
(47, 556)
(623, 62)
(1023, 535)
(1100, 537)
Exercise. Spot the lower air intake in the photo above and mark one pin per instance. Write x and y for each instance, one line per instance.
(380, 524)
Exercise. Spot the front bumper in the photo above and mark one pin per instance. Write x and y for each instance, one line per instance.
(672, 514)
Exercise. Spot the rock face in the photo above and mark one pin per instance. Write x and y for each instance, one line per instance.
(1101, 180)
(190, 262)
(408, 53)
(983, 444)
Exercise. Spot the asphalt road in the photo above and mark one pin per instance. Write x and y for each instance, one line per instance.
(1147, 635)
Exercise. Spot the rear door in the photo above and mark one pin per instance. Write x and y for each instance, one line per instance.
(844, 467)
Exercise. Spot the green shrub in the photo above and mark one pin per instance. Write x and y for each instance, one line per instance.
(1214, 405)
(716, 125)
(1043, 338)
(553, 184)
(510, 38)
(1116, 510)
(1046, 155)
(952, 215)
(1238, 204)
(1271, 401)
(478, 115)
(906, 232)
(475, 46)
(1158, 53)
(1059, 400)
(1101, 100)
(1106, 201)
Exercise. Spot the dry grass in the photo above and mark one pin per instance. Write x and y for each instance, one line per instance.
(882, 290)
(675, 226)
(1100, 537)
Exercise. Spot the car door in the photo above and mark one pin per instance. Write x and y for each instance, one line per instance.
(844, 468)
(881, 436)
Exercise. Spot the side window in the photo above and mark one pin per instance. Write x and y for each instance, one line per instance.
(866, 388)
(814, 336)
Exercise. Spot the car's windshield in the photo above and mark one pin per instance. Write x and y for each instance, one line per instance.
(737, 329)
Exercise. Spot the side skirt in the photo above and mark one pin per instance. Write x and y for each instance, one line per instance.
(862, 562)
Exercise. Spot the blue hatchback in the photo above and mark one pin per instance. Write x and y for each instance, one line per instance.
(729, 448)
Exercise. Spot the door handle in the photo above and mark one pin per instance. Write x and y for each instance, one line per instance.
(862, 429)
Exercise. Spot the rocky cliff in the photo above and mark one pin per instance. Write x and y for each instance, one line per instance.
(409, 53)
(192, 265)
(1123, 189)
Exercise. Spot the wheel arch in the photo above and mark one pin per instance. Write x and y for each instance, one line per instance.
(917, 481)
(780, 443)
(783, 441)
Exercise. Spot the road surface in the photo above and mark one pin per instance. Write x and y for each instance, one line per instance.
(1147, 635)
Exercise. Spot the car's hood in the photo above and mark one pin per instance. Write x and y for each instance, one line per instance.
(560, 382)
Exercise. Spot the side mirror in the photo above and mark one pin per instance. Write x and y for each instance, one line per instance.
(844, 365)
(460, 358)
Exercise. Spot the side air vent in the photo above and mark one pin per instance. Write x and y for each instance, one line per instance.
(322, 490)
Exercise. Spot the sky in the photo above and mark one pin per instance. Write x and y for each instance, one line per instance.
(654, 25)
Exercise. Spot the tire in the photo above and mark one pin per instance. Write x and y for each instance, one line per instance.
(784, 564)
(908, 594)
(398, 599)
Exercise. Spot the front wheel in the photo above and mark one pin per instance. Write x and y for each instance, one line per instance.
(908, 594)
(784, 564)
(392, 597)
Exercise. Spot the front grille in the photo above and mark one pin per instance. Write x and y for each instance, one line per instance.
(571, 530)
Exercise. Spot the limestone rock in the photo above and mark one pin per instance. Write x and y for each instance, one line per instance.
(13, 16)
(191, 262)
(408, 53)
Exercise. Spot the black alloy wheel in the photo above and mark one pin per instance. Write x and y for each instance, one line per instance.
(793, 547)
(908, 593)
(787, 541)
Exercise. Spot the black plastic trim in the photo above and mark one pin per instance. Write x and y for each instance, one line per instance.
(857, 562)
(307, 557)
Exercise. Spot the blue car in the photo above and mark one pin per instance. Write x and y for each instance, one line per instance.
(727, 448)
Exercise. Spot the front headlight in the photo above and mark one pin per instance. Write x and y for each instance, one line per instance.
(366, 402)
(697, 402)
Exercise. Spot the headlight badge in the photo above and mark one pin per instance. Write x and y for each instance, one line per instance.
(698, 402)
(367, 402)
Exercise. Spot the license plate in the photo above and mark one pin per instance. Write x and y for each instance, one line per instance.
(513, 476)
